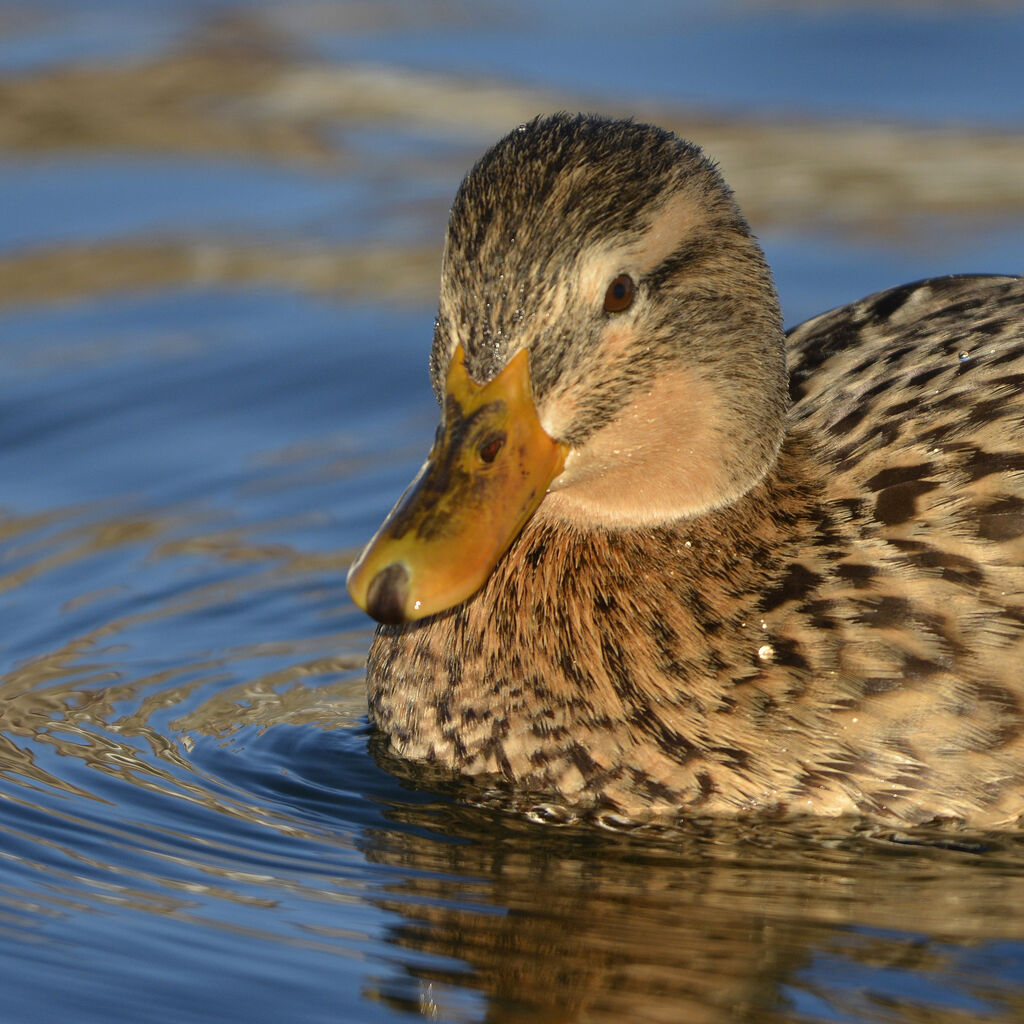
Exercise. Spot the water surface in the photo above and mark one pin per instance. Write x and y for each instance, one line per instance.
(217, 277)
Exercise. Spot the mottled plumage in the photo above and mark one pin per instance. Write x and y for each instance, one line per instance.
(723, 605)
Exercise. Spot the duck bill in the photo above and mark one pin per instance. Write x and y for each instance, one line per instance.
(485, 476)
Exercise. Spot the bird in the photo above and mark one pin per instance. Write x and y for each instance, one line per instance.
(665, 560)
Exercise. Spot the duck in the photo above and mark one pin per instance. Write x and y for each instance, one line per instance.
(665, 559)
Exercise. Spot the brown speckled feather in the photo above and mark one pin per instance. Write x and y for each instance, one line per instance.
(845, 636)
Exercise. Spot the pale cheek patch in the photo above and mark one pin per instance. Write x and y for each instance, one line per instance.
(661, 459)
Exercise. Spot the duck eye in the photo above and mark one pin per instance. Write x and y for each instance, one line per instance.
(620, 294)
(488, 451)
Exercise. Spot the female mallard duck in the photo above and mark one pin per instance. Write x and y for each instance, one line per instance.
(644, 570)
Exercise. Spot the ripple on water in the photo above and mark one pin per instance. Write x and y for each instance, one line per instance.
(183, 764)
(186, 809)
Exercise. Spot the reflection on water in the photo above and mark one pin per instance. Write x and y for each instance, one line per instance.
(711, 924)
(218, 261)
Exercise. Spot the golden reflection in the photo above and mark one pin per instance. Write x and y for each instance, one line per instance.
(706, 926)
(178, 103)
(405, 274)
(239, 87)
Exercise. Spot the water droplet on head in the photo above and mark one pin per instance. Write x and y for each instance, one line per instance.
(766, 652)
(964, 356)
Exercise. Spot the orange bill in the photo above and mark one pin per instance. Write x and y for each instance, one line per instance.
(485, 476)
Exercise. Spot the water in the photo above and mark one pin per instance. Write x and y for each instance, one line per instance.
(216, 296)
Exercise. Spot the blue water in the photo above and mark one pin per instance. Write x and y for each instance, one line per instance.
(930, 65)
(195, 821)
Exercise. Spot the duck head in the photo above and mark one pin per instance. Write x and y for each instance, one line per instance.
(608, 352)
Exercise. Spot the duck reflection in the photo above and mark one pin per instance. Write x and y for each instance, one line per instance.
(705, 923)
